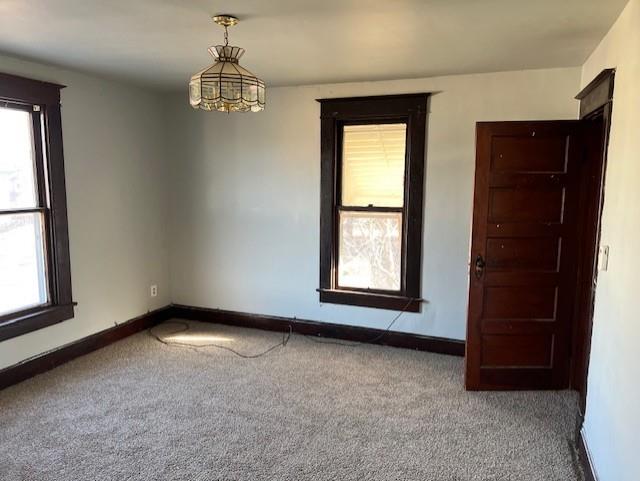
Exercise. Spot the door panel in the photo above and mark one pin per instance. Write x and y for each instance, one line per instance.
(527, 253)
(520, 302)
(524, 235)
(525, 349)
(531, 154)
(525, 204)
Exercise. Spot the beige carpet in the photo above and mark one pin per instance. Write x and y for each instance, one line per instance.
(141, 410)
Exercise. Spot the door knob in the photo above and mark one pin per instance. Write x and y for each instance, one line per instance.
(479, 266)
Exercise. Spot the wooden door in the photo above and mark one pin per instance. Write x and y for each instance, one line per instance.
(523, 255)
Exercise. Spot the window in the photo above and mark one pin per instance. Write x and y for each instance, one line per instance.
(35, 279)
(372, 154)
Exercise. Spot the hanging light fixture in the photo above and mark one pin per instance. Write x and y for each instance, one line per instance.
(226, 86)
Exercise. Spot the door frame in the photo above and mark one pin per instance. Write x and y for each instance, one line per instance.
(596, 103)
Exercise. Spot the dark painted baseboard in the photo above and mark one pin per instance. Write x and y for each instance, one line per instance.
(585, 459)
(44, 362)
(324, 329)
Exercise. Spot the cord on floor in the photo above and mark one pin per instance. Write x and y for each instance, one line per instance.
(368, 341)
(285, 337)
(186, 327)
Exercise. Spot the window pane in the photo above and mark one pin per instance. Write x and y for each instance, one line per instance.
(373, 165)
(22, 267)
(370, 250)
(17, 178)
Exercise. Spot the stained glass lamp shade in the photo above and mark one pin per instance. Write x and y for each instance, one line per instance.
(226, 86)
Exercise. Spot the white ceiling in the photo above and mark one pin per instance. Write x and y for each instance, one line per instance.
(162, 42)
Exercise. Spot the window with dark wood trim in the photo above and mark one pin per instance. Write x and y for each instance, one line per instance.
(372, 182)
(35, 271)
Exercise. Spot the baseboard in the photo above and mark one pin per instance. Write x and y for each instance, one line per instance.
(584, 457)
(324, 329)
(47, 361)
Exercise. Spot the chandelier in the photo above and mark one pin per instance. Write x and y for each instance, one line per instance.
(226, 86)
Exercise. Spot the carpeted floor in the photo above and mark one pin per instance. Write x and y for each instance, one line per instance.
(141, 410)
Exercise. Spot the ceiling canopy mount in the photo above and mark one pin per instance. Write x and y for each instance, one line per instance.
(225, 20)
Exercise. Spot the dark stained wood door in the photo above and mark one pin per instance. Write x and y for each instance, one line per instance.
(523, 255)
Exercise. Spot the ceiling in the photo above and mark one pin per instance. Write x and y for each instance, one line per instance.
(160, 43)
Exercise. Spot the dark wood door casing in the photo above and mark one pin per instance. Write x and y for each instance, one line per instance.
(596, 108)
(521, 301)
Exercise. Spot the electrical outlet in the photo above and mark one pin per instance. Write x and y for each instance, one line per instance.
(603, 258)
(154, 291)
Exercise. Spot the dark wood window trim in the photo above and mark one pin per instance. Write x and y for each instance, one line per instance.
(335, 113)
(43, 99)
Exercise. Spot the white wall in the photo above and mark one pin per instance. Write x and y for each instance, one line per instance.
(612, 423)
(116, 192)
(245, 203)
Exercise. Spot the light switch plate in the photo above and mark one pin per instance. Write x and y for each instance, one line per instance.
(603, 258)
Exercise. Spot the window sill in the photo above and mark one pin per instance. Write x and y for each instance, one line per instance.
(370, 299)
(30, 320)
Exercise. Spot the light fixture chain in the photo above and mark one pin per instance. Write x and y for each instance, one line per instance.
(226, 36)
